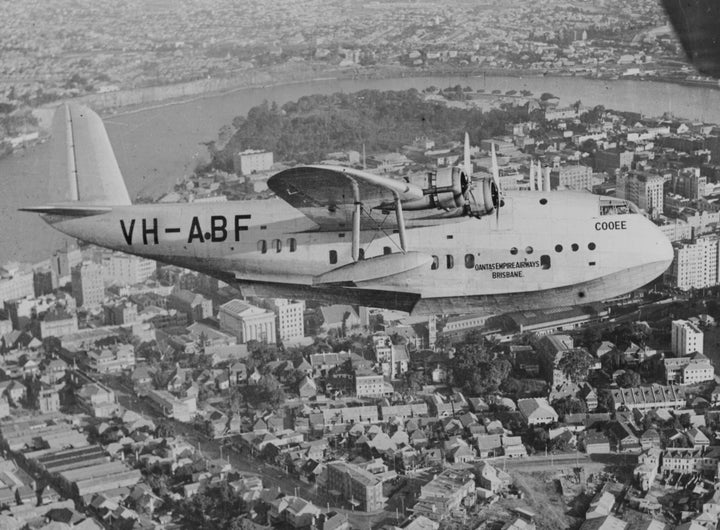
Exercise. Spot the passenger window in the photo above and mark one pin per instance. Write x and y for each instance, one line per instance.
(262, 246)
(435, 264)
(469, 261)
(529, 250)
(387, 250)
(277, 245)
(574, 247)
(292, 244)
(545, 262)
(361, 254)
(513, 251)
(558, 248)
(591, 246)
(333, 257)
(449, 261)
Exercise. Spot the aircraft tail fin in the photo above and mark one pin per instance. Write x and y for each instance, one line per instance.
(82, 148)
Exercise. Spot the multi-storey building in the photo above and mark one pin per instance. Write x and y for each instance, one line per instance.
(88, 287)
(690, 184)
(393, 358)
(15, 282)
(290, 319)
(643, 189)
(247, 322)
(688, 370)
(572, 177)
(57, 322)
(112, 360)
(124, 269)
(195, 306)
(120, 313)
(251, 161)
(368, 383)
(612, 160)
(352, 483)
(44, 281)
(695, 264)
(63, 262)
(686, 338)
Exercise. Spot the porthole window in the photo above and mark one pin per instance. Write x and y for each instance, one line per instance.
(529, 250)
(558, 248)
(545, 262)
(591, 246)
(513, 251)
(292, 244)
(333, 257)
(575, 247)
(469, 261)
(435, 263)
(262, 246)
(277, 245)
(449, 261)
(387, 250)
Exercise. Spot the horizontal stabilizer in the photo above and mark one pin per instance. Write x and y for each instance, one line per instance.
(83, 154)
(374, 268)
(70, 210)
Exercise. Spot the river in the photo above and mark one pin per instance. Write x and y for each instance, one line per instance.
(157, 145)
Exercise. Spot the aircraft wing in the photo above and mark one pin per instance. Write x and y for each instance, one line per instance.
(326, 194)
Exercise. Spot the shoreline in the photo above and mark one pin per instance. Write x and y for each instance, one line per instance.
(230, 85)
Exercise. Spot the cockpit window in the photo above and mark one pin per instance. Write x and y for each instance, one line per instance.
(613, 206)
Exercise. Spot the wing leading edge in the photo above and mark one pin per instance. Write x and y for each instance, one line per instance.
(326, 194)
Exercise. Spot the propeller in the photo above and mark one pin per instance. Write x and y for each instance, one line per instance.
(495, 191)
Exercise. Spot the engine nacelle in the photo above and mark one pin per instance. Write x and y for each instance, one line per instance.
(446, 189)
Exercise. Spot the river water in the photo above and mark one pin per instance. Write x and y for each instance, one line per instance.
(158, 145)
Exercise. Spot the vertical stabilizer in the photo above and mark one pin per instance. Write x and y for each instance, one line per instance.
(82, 151)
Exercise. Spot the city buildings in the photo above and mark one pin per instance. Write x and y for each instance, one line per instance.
(194, 305)
(356, 485)
(252, 161)
(247, 322)
(695, 264)
(124, 269)
(88, 286)
(571, 177)
(643, 189)
(686, 338)
(290, 319)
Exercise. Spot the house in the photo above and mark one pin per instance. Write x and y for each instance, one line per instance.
(697, 438)
(492, 478)
(14, 390)
(624, 437)
(307, 387)
(489, 445)
(596, 442)
(537, 411)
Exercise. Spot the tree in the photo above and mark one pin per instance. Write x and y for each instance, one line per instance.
(576, 365)
(165, 429)
(476, 372)
(629, 379)
(569, 405)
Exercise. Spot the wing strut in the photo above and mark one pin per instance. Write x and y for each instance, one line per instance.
(356, 221)
(400, 221)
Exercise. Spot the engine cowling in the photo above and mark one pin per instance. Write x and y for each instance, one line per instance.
(446, 190)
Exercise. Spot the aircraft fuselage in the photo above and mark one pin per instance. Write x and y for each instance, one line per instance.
(545, 249)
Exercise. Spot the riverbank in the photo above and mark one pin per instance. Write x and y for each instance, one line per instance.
(130, 101)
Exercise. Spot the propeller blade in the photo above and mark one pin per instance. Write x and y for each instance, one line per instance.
(467, 167)
(496, 181)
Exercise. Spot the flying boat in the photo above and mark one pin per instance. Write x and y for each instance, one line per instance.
(454, 244)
